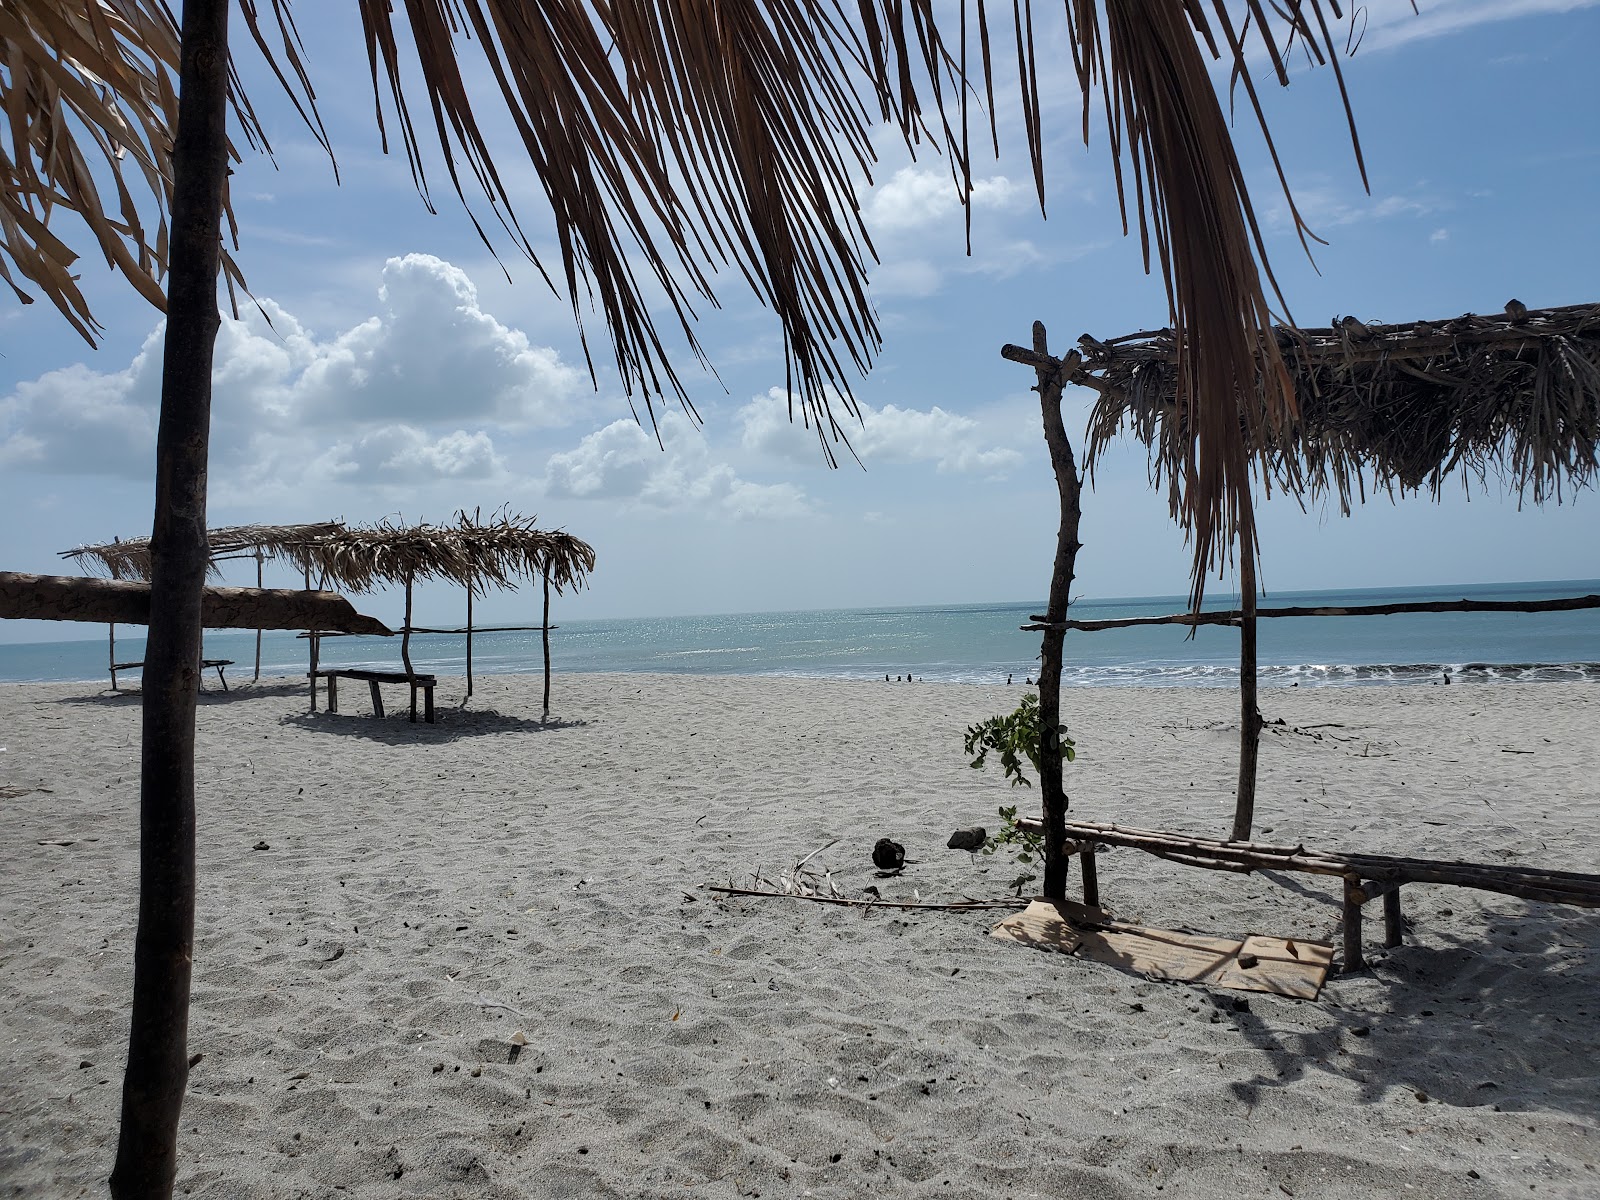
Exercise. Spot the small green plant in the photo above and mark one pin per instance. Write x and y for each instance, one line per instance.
(1016, 736)
(1029, 846)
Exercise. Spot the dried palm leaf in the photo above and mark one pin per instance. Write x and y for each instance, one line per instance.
(691, 136)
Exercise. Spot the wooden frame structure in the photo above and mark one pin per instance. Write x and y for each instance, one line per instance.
(473, 553)
(1515, 395)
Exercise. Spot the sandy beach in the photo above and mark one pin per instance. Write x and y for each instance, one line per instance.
(384, 907)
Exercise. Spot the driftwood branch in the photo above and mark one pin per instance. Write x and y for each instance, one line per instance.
(952, 906)
(108, 601)
(1233, 616)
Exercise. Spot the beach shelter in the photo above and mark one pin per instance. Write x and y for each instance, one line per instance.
(472, 553)
(1396, 408)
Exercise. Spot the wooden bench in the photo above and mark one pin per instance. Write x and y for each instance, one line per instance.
(1366, 877)
(206, 664)
(373, 678)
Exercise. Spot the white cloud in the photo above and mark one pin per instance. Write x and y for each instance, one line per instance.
(1391, 23)
(1439, 235)
(954, 443)
(405, 393)
(624, 462)
(915, 197)
(400, 453)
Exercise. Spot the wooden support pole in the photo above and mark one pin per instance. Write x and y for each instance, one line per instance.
(405, 650)
(1393, 924)
(312, 656)
(544, 633)
(112, 661)
(1091, 877)
(1353, 897)
(1244, 807)
(1052, 793)
(260, 582)
(469, 638)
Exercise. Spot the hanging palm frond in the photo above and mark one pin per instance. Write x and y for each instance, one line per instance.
(700, 135)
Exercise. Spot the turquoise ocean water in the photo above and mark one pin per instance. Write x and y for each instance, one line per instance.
(966, 643)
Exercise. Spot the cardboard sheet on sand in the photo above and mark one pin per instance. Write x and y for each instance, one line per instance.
(1257, 964)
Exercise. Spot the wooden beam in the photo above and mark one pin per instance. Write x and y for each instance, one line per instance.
(111, 601)
(1234, 616)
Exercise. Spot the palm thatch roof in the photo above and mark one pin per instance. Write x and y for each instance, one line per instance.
(1512, 395)
(472, 553)
(131, 559)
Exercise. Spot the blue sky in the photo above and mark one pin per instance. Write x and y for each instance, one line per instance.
(404, 376)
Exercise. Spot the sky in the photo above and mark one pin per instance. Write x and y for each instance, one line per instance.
(406, 373)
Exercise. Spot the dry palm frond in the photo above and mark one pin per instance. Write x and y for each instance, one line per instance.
(692, 136)
(1513, 395)
(472, 553)
(89, 96)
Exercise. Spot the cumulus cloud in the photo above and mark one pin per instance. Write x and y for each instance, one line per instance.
(951, 441)
(915, 197)
(404, 392)
(623, 462)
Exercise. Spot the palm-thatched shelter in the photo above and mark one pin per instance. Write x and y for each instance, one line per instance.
(472, 553)
(1397, 408)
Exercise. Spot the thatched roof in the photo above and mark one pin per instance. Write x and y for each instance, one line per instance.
(472, 553)
(1513, 395)
(131, 559)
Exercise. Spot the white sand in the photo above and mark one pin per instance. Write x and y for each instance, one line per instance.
(430, 891)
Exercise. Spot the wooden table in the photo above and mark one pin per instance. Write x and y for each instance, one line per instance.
(373, 678)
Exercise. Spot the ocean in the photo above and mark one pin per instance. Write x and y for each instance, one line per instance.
(966, 643)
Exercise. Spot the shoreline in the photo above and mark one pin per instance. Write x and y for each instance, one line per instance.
(429, 891)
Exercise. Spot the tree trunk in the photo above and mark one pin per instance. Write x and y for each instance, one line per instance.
(544, 633)
(1052, 794)
(1244, 808)
(158, 1054)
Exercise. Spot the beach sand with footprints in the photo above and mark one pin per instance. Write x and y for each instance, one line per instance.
(479, 958)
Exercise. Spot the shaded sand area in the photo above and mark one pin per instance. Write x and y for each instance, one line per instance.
(425, 894)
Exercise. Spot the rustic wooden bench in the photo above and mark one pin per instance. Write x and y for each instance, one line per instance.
(1366, 876)
(206, 664)
(424, 683)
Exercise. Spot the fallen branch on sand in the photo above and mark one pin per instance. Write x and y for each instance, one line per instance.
(954, 905)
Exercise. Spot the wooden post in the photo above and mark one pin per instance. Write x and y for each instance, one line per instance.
(312, 648)
(1244, 808)
(1393, 925)
(259, 583)
(469, 638)
(112, 663)
(544, 632)
(1353, 898)
(157, 1072)
(405, 651)
(1052, 794)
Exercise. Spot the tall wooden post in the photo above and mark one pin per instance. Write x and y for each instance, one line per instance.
(313, 651)
(157, 1071)
(112, 629)
(1052, 793)
(405, 634)
(469, 638)
(259, 582)
(544, 630)
(1244, 807)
